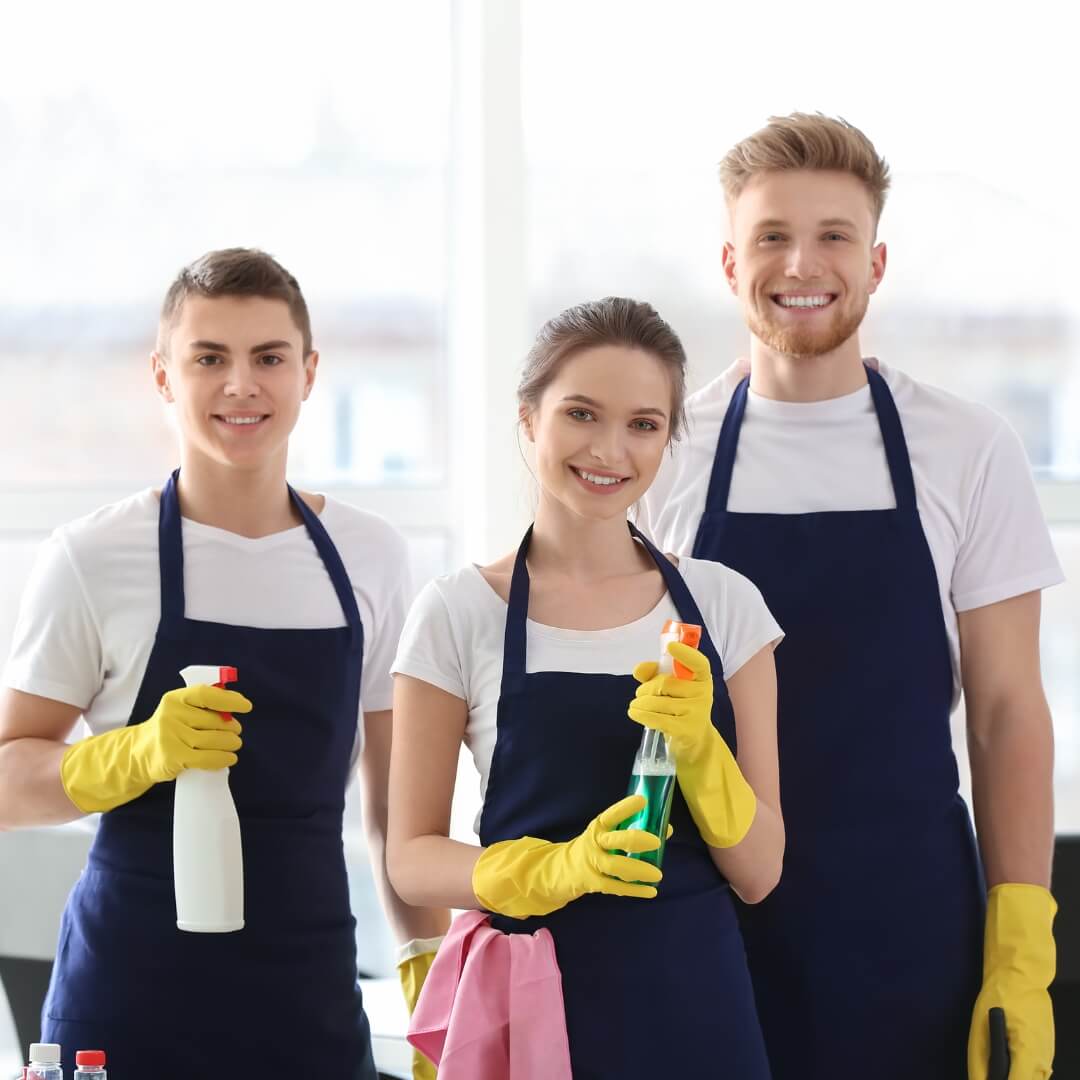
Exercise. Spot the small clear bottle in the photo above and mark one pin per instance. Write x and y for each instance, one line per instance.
(653, 775)
(89, 1065)
(44, 1062)
(654, 778)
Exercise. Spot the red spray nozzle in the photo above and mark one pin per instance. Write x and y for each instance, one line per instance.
(209, 675)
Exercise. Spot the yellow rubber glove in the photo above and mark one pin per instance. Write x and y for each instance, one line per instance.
(721, 802)
(527, 877)
(185, 732)
(412, 972)
(1018, 968)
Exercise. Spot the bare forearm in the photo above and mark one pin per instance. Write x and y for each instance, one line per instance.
(1012, 765)
(754, 864)
(436, 871)
(406, 921)
(30, 789)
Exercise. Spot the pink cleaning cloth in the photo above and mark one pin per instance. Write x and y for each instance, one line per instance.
(492, 1006)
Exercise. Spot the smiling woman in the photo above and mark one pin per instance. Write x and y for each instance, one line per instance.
(531, 655)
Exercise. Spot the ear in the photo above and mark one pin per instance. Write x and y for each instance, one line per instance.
(161, 375)
(728, 260)
(878, 258)
(311, 362)
(525, 419)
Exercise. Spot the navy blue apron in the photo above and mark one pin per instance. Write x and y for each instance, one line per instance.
(281, 994)
(867, 957)
(653, 988)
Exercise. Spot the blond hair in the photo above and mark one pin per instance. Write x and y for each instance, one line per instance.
(806, 141)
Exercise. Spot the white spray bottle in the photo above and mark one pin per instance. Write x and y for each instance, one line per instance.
(208, 861)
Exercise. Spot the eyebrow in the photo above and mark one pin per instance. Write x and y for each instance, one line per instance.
(828, 223)
(645, 410)
(218, 346)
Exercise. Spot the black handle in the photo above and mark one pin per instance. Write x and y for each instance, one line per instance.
(999, 1046)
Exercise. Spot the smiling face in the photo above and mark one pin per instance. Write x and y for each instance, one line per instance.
(600, 429)
(236, 373)
(802, 260)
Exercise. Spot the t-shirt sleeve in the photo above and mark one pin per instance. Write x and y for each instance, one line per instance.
(747, 624)
(377, 682)
(429, 647)
(1005, 549)
(56, 650)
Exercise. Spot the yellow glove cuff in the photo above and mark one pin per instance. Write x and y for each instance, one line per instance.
(96, 772)
(1019, 932)
(721, 801)
(500, 877)
(412, 973)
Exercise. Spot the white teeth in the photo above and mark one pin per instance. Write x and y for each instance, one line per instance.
(803, 301)
(602, 480)
(241, 419)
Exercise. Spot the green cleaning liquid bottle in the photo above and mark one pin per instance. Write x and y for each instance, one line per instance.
(654, 766)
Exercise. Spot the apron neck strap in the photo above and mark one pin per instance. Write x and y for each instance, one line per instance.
(892, 434)
(171, 553)
(171, 557)
(724, 459)
(517, 613)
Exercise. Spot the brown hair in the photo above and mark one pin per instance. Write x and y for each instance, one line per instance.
(806, 141)
(235, 272)
(615, 320)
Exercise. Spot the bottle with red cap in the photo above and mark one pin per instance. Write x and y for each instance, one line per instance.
(89, 1065)
(208, 861)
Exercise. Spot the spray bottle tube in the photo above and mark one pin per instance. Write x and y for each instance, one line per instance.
(654, 766)
(208, 863)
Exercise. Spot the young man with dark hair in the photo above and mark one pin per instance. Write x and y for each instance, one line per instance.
(226, 564)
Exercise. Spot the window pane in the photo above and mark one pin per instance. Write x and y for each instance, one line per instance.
(979, 296)
(322, 139)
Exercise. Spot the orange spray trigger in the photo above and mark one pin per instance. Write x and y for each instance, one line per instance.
(687, 634)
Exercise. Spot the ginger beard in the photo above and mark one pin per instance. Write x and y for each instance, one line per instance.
(803, 337)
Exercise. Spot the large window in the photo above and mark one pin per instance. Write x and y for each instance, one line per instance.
(436, 209)
(629, 108)
(319, 134)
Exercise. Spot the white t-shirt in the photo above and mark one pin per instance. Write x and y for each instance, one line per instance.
(973, 483)
(92, 604)
(453, 639)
